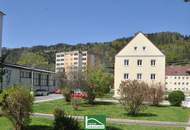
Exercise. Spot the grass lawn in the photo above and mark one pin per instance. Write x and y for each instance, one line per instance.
(162, 113)
(45, 124)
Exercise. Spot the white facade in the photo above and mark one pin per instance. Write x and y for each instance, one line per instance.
(180, 82)
(1, 28)
(178, 78)
(139, 60)
(76, 60)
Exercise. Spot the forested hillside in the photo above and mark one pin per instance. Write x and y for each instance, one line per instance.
(175, 46)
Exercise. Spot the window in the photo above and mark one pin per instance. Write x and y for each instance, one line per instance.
(166, 82)
(84, 54)
(153, 62)
(44, 80)
(175, 83)
(187, 83)
(25, 74)
(126, 62)
(58, 59)
(126, 75)
(58, 55)
(174, 77)
(152, 76)
(179, 83)
(179, 77)
(187, 77)
(75, 54)
(62, 59)
(135, 48)
(144, 48)
(75, 58)
(83, 58)
(36, 79)
(62, 55)
(75, 63)
(139, 62)
(139, 76)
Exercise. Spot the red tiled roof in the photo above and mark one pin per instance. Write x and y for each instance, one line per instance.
(178, 70)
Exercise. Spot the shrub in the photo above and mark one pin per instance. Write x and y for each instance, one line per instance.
(132, 95)
(75, 101)
(67, 94)
(64, 122)
(16, 104)
(176, 97)
(155, 94)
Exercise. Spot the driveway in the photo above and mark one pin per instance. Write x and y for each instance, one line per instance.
(50, 97)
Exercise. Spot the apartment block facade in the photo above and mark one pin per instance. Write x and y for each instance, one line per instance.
(74, 61)
(178, 78)
(139, 60)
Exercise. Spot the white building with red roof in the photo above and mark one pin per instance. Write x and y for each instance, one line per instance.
(178, 78)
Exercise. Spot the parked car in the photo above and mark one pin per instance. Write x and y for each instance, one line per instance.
(57, 91)
(79, 93)
(186, 103)
(41, 92)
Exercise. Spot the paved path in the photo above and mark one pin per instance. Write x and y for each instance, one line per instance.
(188, 128)
(126, 121)
(50, 97)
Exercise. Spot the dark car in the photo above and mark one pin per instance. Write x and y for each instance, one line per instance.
(41, 92)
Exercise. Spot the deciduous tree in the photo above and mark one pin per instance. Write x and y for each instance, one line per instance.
(16, 104)
(132, 95)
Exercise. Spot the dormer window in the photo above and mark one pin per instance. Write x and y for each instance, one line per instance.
(135, 48)
(144, 48)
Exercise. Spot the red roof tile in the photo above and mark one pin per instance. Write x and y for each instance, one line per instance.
(178, 70)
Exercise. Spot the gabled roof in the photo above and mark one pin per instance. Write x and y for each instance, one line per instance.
(139, 42)
(177, 70)
(28, 68)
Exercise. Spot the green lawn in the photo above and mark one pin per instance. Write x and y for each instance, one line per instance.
(163, 113)
(45, 124)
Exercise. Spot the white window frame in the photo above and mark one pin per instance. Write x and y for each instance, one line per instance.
(126, 61)
(139, 76)
(151, 76)
(126, 76)
(153, 62)
(140, 62)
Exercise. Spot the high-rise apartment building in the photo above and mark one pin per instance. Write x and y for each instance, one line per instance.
(73, 61)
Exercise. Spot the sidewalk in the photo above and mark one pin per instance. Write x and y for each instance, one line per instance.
(188, 128)
(126, 121)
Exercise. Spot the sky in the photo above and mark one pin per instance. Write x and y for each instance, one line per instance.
(45, 22)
